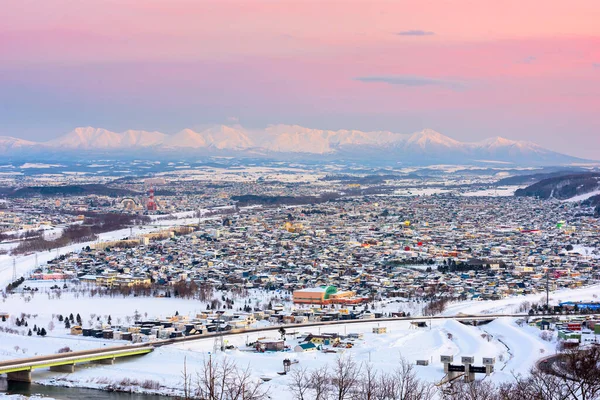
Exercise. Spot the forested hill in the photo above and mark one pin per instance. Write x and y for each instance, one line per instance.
(563, 187)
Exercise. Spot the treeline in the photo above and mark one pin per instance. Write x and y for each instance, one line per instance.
(562, 187)
(28, 234)
(251, 199)
(348, 380)
(69, 190)
(92, 225)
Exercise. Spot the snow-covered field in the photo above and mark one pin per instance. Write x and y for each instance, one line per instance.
(510, 305)
(383, 351)
(582, 197)
(516, 348)
(493, 192)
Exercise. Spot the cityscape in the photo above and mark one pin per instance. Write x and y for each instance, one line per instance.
(251, 200)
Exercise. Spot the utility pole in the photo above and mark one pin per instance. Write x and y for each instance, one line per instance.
(547, 289)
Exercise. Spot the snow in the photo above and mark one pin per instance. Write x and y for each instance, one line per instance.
(493, 192)
(582, 197)
(511, 304)
(39, 165)
(26, 263)
(516, 348)
(449, 337)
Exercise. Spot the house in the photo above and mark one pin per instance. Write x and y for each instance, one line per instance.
(324, 339)
(76, 330)
(305, 347)
(270, 345)
(379, 330)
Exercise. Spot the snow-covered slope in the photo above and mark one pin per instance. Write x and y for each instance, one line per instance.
(8, 143)
(425, 146)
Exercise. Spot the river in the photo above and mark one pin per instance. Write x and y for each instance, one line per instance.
(68, 393)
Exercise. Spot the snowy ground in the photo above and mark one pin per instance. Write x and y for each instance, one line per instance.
(165, 364)
(510, 305)
(584, 196)
(516, 348)
(493, 192)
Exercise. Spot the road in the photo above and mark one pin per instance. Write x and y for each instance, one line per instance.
(44, 360)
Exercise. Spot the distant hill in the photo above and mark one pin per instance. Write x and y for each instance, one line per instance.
(66, 190)
(530, 179)
(574, 186)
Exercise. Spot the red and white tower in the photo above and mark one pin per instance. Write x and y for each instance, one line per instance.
(151, 205)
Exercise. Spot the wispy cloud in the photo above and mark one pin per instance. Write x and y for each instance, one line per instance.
(415, 32)
(527, 60)
(596, 65)
(411, 80)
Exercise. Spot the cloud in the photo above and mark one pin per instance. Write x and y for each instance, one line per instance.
(596, 65)
(527, 60)
(411, 80)
(415, 32)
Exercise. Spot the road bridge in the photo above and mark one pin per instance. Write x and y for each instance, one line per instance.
(20, 370)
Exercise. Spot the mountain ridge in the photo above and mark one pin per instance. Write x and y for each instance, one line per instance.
(294, 139)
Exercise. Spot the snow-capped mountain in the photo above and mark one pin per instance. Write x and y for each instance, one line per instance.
(426, 146)
(8, 143)
(89, 138)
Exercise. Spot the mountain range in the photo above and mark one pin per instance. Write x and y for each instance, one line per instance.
(426, 146)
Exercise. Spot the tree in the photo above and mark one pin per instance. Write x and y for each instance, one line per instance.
(43, 332)
(300, 384)
(282, 333)
(345, 377)
(29, 333)
(67, 324)
(223, 380)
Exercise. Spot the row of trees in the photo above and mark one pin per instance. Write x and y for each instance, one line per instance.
(349, 380)
(92, 225)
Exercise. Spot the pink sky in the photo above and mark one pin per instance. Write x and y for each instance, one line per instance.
(470, 69)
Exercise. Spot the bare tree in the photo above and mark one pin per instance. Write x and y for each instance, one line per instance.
(186, 380)
(300, 384)
(345, 377)
(319, 381)
(223, 380)
(476, 390)
(403, 384)
(368, 388)
(582, 373)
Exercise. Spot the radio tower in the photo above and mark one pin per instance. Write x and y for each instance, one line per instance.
(151, 205)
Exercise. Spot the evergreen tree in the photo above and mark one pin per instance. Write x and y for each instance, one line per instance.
(43, 332)
(67, 324)
(29, 333)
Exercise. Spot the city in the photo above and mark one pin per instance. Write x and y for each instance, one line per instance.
(299, 200)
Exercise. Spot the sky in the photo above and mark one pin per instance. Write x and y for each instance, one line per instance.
(525, 70)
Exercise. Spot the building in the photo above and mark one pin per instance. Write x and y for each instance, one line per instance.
(325, 295)
(305, 347)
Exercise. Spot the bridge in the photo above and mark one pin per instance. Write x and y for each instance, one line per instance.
(20, 370)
